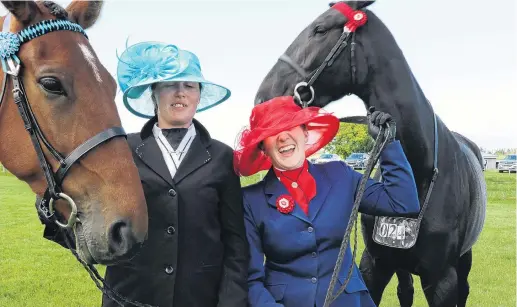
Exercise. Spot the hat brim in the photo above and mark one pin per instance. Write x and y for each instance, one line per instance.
(138, 100)
(145, 63)
(321, 127)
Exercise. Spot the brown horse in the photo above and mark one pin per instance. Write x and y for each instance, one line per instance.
(71, 95)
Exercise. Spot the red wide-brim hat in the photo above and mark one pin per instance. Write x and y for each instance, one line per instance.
(274, 116)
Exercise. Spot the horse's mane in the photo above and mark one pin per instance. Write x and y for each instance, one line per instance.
(56, 10)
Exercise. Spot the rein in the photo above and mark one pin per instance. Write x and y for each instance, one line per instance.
(10, 44)
(378, 147)
(374, 157)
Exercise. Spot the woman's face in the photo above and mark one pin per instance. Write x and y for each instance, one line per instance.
(287, 149)
(177, 103)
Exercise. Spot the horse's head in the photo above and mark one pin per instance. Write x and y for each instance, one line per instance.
(71, 95)
(311, 48)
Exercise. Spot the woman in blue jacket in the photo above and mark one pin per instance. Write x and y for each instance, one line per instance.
(297, 215)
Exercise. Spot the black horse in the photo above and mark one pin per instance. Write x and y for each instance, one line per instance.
(373, 67)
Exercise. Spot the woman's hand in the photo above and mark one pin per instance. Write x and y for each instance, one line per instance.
(376, 119)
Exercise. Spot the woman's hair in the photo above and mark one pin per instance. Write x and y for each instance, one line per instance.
(153, 98)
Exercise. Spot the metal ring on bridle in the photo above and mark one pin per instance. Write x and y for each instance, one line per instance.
(297, 95)
(73, 215)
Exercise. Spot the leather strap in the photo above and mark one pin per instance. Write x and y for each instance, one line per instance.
(84, 148)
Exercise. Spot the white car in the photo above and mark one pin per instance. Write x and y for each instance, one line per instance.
(508, 164)
(324, 158)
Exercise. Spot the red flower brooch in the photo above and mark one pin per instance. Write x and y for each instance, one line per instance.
(285, 204)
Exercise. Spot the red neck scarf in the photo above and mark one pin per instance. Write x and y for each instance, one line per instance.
(300, 184)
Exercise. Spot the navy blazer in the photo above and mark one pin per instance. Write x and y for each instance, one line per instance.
(300, 250)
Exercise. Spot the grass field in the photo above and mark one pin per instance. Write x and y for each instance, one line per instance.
(36, 272)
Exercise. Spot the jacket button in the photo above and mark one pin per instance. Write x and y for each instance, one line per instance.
(314, 280)
(314, 254)
(172, 192)
(169, 269)
(310, 229)
(171, 230)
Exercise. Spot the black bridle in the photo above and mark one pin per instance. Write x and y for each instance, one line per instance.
(355, 19)
(11, 65)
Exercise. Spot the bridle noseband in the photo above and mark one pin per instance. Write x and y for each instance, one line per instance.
(10, 44)
(356, 18)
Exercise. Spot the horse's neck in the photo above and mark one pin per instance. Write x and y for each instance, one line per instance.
(395, 90)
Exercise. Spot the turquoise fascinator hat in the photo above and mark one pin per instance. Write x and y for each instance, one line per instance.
(145, 63)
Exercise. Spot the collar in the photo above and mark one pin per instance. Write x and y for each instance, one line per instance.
(204, 136)
(157, 130)
(293, 173)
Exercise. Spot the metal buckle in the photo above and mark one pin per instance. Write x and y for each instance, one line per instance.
(72, 219)
(297, 95)
(14, 68)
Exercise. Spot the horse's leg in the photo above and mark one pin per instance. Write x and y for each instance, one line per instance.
(464, 266)
(440, 290)
(405, 289)
(375, 276)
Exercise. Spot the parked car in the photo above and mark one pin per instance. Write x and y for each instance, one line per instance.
(508, 164)
(324, 158)
(357, 160)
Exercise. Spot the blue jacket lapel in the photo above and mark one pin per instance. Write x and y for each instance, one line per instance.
(323, 186)
(274, 188)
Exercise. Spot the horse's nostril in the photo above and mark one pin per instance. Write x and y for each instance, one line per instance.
(120, 237)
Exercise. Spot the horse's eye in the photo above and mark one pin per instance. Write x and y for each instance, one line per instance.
(320, 30)
(52, 85)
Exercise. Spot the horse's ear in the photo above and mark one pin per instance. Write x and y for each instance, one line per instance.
(24, 11)
(84, 13)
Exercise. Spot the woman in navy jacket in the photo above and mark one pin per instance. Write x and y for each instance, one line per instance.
(297, 215)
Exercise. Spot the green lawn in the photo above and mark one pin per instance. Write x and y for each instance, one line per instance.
(36, 272)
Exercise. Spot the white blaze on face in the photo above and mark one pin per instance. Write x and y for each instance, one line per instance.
(88, 55)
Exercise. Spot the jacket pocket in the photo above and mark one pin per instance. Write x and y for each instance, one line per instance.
(354, 285)
(277, 291)
(210, 269)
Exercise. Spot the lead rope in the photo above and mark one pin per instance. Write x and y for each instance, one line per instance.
(374, 157)
(95, 276)
(375, 154)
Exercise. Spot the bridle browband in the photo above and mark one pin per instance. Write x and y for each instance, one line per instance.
(10, 44)
(355, 19)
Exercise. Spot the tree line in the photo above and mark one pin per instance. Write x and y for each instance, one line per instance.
(349, 139)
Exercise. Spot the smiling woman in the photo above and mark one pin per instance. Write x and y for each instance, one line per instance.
(298, 199)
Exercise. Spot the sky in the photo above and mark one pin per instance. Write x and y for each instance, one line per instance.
(463, 54)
